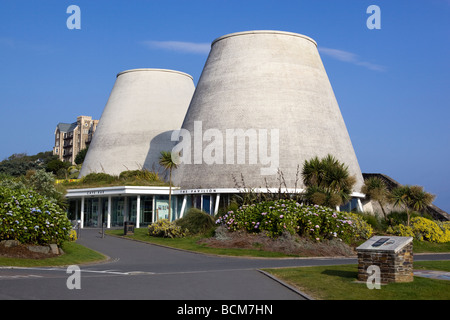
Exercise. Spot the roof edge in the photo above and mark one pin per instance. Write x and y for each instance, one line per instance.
(155, 70)
(293, 34)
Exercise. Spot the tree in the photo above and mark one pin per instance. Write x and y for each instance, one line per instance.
(44, 183)
(328, 181)
(376, 189)
(412, 198)
(57, 166)
(79, 158)
(168, 161)
(19, 163)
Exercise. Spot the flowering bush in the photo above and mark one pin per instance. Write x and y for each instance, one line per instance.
(361, 229)
(31, 218)
(424, 229)
(271, 216)
(315, 222)
(72, 235)
(166, 229)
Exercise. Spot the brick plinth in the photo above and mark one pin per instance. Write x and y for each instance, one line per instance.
(394, 266)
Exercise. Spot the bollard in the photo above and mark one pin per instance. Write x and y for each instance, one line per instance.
(78, 228)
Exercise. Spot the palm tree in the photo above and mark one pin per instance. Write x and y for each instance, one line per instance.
(169, 161)
(73, 171)
(376, 189)
(412, 198)
(312, 172)
(327, 181)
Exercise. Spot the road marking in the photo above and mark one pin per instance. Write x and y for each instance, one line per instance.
(15, 277)
(109, 271)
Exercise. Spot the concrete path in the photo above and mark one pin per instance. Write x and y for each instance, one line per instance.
(433, 274)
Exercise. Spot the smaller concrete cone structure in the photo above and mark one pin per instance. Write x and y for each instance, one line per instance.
(144, 107)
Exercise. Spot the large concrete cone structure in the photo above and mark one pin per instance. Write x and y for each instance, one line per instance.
(270, 84)
(144, 107)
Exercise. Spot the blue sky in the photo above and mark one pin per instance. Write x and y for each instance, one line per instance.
(392, 84)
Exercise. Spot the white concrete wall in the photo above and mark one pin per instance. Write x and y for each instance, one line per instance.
(144, 107)
(267, 80)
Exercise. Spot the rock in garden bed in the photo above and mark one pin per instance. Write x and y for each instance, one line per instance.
(14, 249)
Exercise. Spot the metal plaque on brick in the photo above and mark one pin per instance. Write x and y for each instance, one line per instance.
(385, 243)
(392, 255)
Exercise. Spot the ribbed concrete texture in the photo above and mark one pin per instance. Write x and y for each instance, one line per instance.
(273, 84)
(144, 107)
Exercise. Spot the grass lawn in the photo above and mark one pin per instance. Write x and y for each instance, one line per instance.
(339, 283)
(425, 246)
(75, 254)
(190, 243)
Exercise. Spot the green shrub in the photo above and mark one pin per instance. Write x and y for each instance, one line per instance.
(429, 230)
(99, 178)
(444, 225)
(196, 221)
(401, 217)
(72, 235)
(361, 229)
(375, 221)
(44, 183)
(232, 206)
(139, 175)
(31, 218)
(401, 230)
(165, 229)
(424, 229)
(315, 222)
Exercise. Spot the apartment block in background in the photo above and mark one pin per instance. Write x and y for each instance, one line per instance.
(71, 138)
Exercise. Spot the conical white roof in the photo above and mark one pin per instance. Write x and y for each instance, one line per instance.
(269, 83)
(144, 107)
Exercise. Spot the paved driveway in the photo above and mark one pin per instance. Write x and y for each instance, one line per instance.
(143, 271)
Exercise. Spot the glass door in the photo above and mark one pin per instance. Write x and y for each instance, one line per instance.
(206, 203)
(146, 210)
(91, 214)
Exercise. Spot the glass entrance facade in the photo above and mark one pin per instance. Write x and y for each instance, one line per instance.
(122, 209)
(205, 202)
(142, 206)
(91, 212)
(94, 208)
(146, 216)
(117, 211)
(145, 210)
